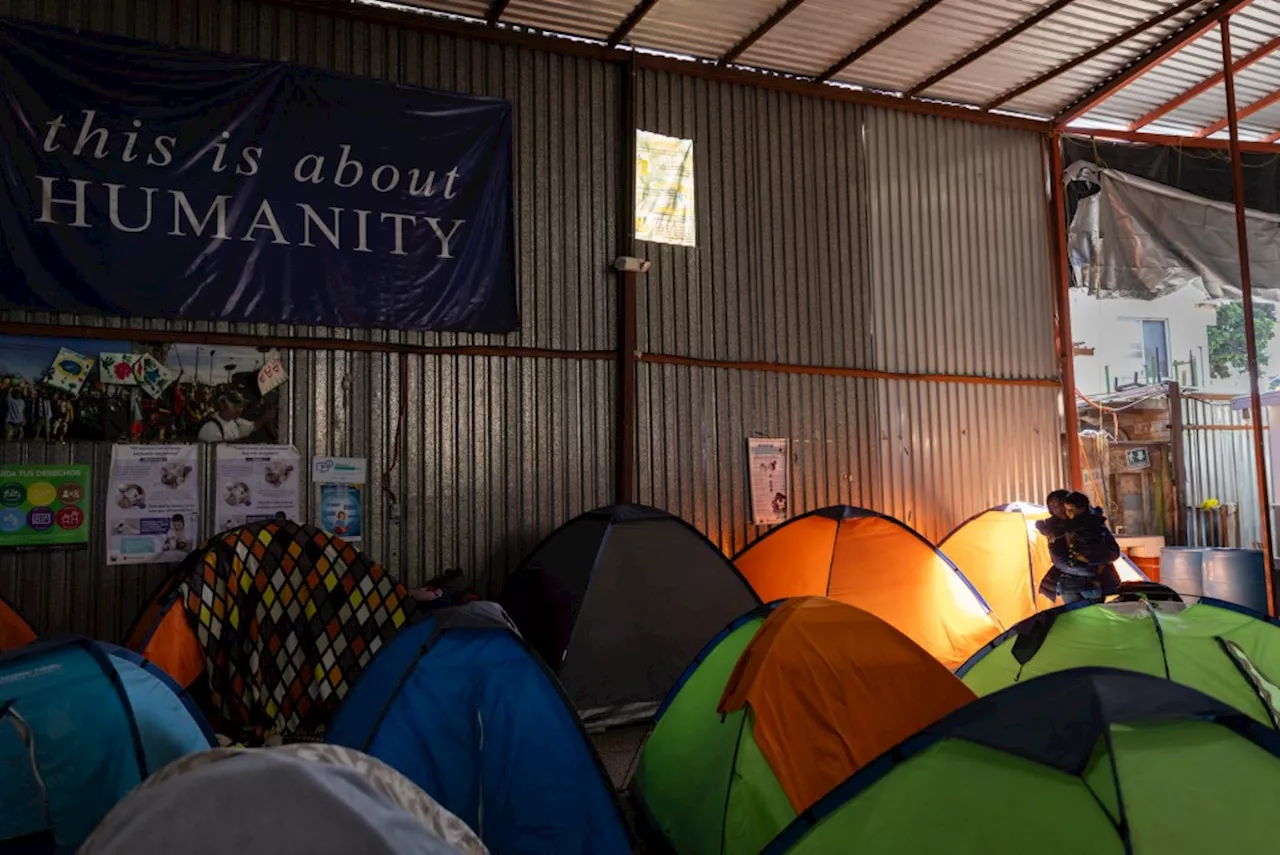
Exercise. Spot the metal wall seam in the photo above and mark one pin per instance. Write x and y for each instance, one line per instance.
(1219, 465)
(495, 451)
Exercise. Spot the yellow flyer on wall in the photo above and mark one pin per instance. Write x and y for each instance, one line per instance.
(664, 189)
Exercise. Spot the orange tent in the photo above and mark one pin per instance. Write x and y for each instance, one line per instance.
(1005, 557)
(876, 563)
(14, 629)
(780, 709)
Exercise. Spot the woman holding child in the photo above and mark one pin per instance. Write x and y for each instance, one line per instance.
(1083, 550)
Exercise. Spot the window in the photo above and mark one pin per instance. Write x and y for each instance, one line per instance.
(1155, 350)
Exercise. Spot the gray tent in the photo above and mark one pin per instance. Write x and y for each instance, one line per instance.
(618, 602)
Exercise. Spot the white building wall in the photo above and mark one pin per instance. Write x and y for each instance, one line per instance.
(1113, 329)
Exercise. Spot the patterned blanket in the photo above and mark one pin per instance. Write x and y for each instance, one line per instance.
(288, 617)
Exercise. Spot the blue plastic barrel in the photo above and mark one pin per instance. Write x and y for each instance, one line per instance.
(1182, 570)
(1237, 576)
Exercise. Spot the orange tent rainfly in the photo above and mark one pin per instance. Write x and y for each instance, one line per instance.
(876, 563)
(784, 706)
(14, 629)
(1005, 557)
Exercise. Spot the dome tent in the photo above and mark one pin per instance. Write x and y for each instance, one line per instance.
(462, 707)
(14, 629)
(1005, 557)
(880, 565)
(1218, 648)
(310, 798)
(617, 601)
(81, 724)
(781, 707)
(269, 625)
(1091, 760)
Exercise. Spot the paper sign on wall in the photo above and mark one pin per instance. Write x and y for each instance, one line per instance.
(339, 484)
(664, 189)
(44, 505)
(69, 370)
(767, 459)
(256, 483)
(153, 503)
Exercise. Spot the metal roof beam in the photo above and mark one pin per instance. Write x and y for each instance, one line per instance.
(1243, 113)
(878, 39)
(1151, 59)
(496, 8)
(1258, 146)
(1273, 138)
(986, 48)
(636, 16)
(1205, 85)
(1110, 44)
(755, 35)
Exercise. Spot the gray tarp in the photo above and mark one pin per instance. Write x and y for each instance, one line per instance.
(1139, 239)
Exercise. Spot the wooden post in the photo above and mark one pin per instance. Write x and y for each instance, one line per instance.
(1250, 335)
(1177, 451)
(625, 429)
(1062, 302)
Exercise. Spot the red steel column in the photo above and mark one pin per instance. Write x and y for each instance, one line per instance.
(1062, 293)
(1250, 337)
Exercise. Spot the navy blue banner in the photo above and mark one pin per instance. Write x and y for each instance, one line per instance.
(145, 181)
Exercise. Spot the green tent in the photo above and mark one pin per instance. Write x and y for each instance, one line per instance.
(1092, 760)
(783, 706)
(1218, 648)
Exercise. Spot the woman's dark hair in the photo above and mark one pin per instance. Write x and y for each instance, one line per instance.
(1057, 496)
(1078, 500)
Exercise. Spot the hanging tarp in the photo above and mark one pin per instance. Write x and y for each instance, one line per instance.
(1139, 239)
(150, 181)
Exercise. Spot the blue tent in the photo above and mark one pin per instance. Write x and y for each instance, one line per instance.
(461, 706)
(81, 724)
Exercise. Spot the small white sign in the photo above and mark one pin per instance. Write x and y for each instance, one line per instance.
(767, 459)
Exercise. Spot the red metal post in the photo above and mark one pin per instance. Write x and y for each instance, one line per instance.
(1250, 336)
(1057, 224)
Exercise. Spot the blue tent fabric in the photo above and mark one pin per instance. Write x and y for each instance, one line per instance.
(471, 715)
(80, 729)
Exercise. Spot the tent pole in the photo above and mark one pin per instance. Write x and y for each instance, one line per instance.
(1250, 335)
(625, 415)
(1057, 225)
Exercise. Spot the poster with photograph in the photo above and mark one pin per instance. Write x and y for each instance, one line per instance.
(339, 484)
(153, 504)
(256, 483)
(44, 505)
(767, 462)
(64, 389)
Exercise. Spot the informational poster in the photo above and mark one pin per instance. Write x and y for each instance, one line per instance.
(339, 484)
(256, 483)
(664, 190)
(44, 505)
(767, 459)
(153, 504)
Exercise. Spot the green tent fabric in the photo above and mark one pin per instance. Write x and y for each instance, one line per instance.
(784, 705)
(1218, 648)
(1089, 760)
(693, 737)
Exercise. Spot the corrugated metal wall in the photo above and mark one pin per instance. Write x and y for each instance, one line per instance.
(839, 236)
(960, 285)
(497, 451)
(1218, 451)
(829, 235)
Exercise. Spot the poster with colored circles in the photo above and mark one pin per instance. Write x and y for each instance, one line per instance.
(44, 505)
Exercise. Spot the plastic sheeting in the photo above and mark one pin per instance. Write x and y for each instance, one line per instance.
(1139, 239)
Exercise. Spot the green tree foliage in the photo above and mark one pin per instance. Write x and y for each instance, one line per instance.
(1227, 355)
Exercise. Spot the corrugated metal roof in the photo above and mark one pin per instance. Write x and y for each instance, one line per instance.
(815, 35)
